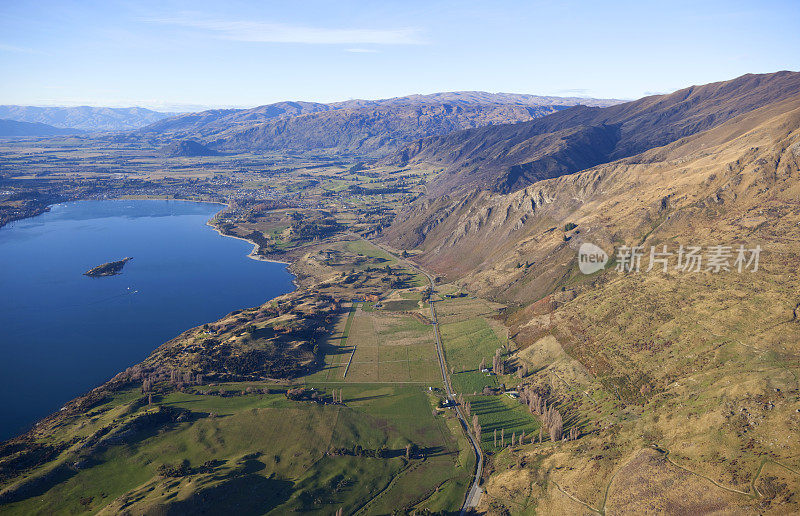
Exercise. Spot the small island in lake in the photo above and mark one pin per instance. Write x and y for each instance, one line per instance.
(107, 269)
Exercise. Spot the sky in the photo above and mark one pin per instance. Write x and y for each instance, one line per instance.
(188, 55)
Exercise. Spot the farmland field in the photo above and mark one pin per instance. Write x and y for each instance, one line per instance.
(463, 309)
(467, 342)
(468, 337)
(402, 305)
(336, 350)
(386, 348)
(472, 381)
(392, 348)
(502, 414)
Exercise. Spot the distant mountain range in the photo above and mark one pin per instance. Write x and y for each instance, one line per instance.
(363, 128)
(13, 128)
(371, 128)
(86, 118)
(186, 149)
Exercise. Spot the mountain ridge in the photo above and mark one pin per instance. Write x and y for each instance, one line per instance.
(462, 233)
(14, 128)
(88, 118)
(371, 128)
(511, 156)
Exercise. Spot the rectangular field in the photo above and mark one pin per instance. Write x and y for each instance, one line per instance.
(336, 349)
(504, 415)
(378, 346)
(465, 308)
(467, 342)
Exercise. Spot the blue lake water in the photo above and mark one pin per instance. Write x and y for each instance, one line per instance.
(63, 333)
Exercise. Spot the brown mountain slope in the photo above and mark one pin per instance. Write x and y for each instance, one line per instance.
(212, 121)
(683, 385)
(370, 131)
(363, 127)
(509, 157)
(482, 236)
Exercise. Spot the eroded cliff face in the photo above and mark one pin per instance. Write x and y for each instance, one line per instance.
(521, 246)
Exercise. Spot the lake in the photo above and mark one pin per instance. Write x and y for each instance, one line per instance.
(63, 333)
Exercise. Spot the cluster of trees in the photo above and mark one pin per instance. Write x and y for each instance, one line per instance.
(147, 385)
(297, 393)
(301, 393)
(359, 451)
(551, 418)
(360, 190)
(317, 229)
(186, 378)
(225, 393)
(476, 427)
(176, 378)
(464, 404)
(514, 440)
(426, 294)
(253, 361)
(498, 364)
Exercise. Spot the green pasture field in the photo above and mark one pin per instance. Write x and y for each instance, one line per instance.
(267, 454)
(502, 412)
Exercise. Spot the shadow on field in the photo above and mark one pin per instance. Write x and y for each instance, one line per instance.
(39, 485)
(494, 405)
(245, 495)
(367, 398)
(434, 451)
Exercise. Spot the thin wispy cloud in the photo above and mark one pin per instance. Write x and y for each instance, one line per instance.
(266, 32)
(18, 50)
(362, 50)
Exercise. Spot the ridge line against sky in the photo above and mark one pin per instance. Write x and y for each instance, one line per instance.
(180, 55)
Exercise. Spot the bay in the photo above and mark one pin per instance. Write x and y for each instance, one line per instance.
(63, 333)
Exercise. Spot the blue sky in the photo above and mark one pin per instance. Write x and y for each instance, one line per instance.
(191, 54)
